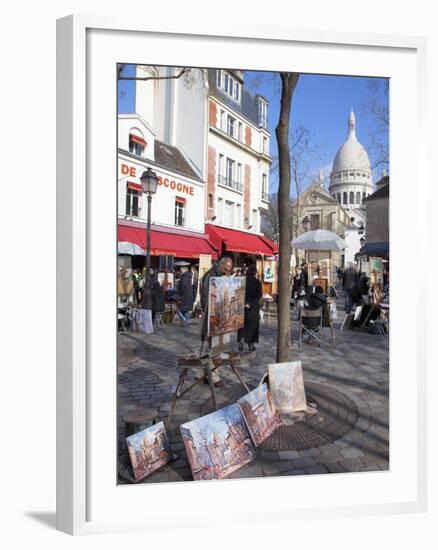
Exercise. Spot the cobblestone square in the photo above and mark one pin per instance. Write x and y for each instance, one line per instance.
(356, 368)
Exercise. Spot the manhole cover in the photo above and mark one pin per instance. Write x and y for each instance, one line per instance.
(336, 416)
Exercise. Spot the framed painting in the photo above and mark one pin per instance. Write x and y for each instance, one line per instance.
(90, 381)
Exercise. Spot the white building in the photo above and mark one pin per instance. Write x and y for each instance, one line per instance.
(238, 164)
(177, 206)
(351, 179)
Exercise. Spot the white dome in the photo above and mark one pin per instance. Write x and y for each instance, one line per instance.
(352, 154)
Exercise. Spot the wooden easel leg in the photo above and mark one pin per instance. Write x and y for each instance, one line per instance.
(176, 394)
(242, 381)
(211, 383)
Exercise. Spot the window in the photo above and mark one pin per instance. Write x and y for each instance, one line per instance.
(351, 197)
(132, 202)
(220, 210)
(358, 197)
(230, 125)
(314, 221)
(264, 187)
(136, 144)
(239, 131)
(230, 172)
(363, 196)
(339, 198)
(344, 197)
(238, 215)
(262, 112)
(265, 145)
(222, 120)
(351, 174)
(180, 206)
(229, 213)
(210, 200)
(239, 174)
(237, 91)
(254, 219)
(229, 85)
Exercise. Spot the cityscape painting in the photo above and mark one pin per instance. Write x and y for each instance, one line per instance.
(226, 305)
(259, 413)
(148, 450)
(287, 387)
(217, 444)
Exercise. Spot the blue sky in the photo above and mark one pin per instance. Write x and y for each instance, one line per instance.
(321, 103)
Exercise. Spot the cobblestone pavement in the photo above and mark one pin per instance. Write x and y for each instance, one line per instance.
(357, 366)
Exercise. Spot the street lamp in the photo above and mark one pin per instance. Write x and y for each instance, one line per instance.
(306, 223)
(149, 182)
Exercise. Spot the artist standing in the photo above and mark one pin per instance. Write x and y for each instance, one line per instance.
(253, 295)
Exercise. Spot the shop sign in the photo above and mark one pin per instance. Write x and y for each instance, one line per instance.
(127, 170)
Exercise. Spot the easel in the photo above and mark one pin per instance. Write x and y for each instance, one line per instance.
(218, 354)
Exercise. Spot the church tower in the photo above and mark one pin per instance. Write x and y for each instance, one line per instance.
(351, 179)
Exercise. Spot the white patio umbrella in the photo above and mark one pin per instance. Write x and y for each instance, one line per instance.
(320, 239)
(124, 247)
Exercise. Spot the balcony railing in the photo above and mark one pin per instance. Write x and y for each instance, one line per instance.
(236, 185)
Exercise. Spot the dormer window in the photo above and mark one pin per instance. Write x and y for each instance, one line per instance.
(137, 144)
(228, 84)
(262, 109)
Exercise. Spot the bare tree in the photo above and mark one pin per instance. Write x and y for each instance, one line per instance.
(288, 84)
(270, 224)
(377, 107)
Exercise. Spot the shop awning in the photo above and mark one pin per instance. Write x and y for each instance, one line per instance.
(381, 250)
(238, 241)
(271, 244)
(165, 243)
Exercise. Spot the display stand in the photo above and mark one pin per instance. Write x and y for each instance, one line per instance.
(217, 354)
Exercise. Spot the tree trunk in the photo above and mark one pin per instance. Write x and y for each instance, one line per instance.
(288, 83)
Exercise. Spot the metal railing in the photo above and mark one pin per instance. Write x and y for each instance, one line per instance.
(236, 185)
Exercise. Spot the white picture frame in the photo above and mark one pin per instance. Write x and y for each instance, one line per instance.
(88, 499)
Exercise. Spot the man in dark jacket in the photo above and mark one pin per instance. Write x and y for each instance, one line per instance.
(185, 295)
(349, 282)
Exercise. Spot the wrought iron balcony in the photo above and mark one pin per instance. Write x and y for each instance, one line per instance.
(228, 182)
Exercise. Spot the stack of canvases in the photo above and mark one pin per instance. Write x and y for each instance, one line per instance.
(221, 442)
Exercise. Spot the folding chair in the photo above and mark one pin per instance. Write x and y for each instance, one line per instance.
(158, 320)
(310, 325)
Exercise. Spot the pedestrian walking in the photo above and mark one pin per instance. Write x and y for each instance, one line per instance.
(158, 302)
(348, 282)
(253, 294)
(185, 295)
(195, 278)
(298, 289)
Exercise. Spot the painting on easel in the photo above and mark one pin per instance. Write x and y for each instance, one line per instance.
(226, 305)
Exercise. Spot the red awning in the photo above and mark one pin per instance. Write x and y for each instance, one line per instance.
(173, 244)
(271, 244)
(238, 241)
(137, 139)
(135, 186)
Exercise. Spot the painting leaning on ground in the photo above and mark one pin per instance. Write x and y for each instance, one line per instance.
(253, 333)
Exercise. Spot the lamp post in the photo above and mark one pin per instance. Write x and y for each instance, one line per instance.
(362, 242)
(306, 223)
(149, 182)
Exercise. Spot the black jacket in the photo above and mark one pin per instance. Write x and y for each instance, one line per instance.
(185, 292)
(253, 294)
(158, 304)
(350, 279)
